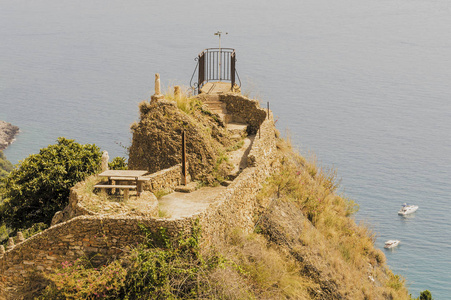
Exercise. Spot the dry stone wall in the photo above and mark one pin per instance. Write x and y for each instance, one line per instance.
(236, 206)
(244, 109)
(108, 236)
(166, 179)
(264, 145)
(83, 236)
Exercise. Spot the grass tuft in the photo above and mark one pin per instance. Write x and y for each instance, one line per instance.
(185, 102)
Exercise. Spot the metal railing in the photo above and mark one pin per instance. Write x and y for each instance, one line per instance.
(215, 64)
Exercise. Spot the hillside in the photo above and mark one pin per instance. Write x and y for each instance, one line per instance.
(279, 230)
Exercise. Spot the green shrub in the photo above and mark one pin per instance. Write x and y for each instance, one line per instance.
(118, 163)
(5, 166)
(34, 229)
(40, 186)
(426, 295)
(159, 268)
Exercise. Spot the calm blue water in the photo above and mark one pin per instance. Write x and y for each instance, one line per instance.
(363, 84)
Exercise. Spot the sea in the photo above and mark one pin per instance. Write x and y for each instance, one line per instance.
(362, 86)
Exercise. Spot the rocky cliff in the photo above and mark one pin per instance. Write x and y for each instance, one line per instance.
(7, 134)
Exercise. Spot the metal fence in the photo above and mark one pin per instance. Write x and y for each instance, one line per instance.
(215, 64)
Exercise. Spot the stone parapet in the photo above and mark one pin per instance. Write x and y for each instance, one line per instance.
(244, 110)
(166, 179)
(264, 144)
(236, 206)
(83, 236)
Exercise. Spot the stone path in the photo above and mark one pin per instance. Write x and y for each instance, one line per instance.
(216, 88)
(179, 205)
(239, 157)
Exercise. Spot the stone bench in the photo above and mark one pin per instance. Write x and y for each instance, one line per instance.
(126, 188)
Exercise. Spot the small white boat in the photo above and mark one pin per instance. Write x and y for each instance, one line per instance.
(407, 209)
(391, 244)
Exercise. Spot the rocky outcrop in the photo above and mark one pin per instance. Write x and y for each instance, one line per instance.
(157, 139)
(7, 134)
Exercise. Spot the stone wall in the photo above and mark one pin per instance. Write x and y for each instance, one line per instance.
(75, 206)
(166, 179)
(245, 110)
(108, 236)
(264, 144)
(81, 236)
(236, 206)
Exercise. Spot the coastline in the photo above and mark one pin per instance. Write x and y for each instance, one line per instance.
(8, 133)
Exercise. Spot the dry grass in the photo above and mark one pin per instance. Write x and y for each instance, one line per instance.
(256, 270)
(335, 239)
(160, 193)
(185, 101)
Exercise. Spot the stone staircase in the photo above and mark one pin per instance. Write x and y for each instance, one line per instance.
(217, 107)
(210, 94)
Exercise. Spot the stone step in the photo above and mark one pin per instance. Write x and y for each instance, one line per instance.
(237, 128)
(213, 101)
(215, 106)
(222, 117)
(214, 97)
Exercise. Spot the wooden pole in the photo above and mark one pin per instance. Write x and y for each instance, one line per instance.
(267, 109)
(184, 158)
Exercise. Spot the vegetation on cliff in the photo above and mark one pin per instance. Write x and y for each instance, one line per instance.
(5, 166)
(305, 246)
(40, 186)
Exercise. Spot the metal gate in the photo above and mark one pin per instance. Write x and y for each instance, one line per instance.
(215, 64)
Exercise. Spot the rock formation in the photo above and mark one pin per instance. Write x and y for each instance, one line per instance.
(157, 139)
(7, 134)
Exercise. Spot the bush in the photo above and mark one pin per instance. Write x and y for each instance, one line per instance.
(425, 295)
(156, 269)
(118, 163)
(5, 166)
(40, 186)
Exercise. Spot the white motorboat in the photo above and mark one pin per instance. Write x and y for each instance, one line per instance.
(391, 244)
(407, 209)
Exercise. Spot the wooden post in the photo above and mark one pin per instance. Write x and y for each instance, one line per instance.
(267, 109)
(139, 188)
(183, 158)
